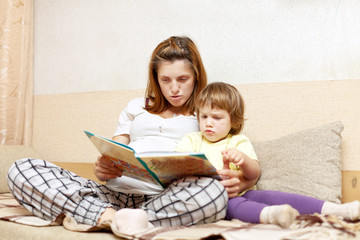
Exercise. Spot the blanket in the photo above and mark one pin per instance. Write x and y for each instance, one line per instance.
(314, 226)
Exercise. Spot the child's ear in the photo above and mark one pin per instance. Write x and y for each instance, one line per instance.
(232, 130)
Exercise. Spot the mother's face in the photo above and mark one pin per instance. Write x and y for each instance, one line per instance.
(176, 80)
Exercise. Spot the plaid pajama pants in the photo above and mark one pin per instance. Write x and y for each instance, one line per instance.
(48, 190)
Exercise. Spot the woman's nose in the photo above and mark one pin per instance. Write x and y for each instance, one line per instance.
(175, 87)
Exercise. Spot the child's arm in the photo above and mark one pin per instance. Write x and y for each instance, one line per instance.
(249, 167)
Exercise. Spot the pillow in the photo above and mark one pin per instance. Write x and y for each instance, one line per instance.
(8, 155)
(307, 162)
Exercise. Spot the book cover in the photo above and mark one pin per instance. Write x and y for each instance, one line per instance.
(154, 167)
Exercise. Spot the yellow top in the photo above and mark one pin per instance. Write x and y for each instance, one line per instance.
(195, 142)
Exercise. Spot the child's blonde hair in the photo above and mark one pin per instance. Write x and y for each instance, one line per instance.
(225, 97)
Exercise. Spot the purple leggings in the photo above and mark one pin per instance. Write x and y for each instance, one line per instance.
(247, 208)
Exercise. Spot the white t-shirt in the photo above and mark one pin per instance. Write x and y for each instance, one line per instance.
(148, 132)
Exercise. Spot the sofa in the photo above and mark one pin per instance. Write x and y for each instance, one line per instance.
(306, 135)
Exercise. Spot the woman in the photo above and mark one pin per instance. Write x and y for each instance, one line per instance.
(156, 122)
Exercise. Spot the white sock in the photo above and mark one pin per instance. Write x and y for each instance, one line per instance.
(282, 215)
(131, 221)
(349, 211)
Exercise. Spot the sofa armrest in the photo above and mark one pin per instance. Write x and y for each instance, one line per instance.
(8, 155)
(350, 186)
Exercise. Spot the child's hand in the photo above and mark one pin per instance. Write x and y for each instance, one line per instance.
(233, 155)
(250, 168)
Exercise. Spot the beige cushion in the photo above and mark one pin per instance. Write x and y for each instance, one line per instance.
(9, 154)
(306, 162)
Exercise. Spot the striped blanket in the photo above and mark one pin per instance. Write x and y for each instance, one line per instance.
(306, 227)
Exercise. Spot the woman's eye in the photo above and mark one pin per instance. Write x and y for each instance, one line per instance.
(183, 79)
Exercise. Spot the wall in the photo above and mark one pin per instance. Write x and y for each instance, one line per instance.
(90, 45)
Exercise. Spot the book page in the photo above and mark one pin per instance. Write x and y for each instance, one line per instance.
(169, 167)
(123, 157)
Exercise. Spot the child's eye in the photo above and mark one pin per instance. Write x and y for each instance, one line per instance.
(218, 117)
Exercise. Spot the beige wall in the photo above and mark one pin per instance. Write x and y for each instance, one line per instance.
(89, 45)
(279, 112)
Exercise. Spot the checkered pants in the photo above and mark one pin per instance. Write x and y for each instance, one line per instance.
(48, 190)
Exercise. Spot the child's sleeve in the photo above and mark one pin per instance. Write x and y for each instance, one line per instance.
(245, 146)
(186, 144)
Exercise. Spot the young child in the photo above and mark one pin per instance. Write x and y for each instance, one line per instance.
(220, 112)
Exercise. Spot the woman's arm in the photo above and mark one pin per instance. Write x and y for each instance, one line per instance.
(234, 182)
(124, 139)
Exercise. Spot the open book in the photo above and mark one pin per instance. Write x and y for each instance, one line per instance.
(160, 168)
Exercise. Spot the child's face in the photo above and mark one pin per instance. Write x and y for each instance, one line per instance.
(215, 124)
